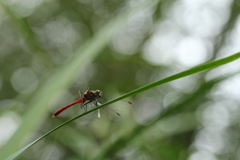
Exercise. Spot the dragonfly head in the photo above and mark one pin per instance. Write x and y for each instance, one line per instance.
(98, 93)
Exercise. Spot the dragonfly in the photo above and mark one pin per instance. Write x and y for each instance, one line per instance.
(88, 97)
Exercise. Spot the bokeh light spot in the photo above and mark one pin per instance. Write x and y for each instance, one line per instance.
(24, 80)
(191, 52)
(8, 124)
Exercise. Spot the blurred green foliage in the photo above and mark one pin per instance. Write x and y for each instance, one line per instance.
(52, 49)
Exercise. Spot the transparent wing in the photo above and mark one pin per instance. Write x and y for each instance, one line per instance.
(115, 112)
(108, 113)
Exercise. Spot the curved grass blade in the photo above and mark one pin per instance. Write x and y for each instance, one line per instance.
(194, 70)
(108, 151)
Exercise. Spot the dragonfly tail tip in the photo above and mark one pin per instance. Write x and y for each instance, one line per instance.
(53, 116)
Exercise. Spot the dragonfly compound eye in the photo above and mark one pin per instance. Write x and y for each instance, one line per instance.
(100, 93)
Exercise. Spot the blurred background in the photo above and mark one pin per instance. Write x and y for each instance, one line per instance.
(49, 50)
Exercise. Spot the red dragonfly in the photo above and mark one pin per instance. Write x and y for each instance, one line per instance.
(87, 98)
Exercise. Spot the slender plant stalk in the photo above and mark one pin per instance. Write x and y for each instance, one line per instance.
(110, 150)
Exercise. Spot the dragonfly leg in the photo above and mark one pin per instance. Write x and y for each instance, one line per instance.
(81, 104)
(96, 104)
(99, 114)
(84, 107)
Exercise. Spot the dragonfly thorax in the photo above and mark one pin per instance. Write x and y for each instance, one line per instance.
(90, 96)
